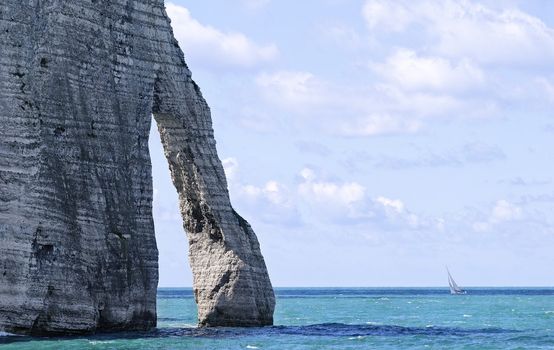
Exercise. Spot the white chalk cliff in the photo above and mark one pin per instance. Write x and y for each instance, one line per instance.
(79, 82)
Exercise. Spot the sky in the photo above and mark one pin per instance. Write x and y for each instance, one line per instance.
(372, 143)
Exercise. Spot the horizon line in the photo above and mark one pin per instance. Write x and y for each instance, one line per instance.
(382, 287)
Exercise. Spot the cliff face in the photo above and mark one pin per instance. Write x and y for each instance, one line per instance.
(79, 81)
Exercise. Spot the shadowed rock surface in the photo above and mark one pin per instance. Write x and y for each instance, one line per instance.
(79, 81)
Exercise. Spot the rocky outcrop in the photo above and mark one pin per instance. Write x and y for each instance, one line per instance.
(79, 81)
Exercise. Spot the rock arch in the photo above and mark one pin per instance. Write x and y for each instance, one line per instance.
(79, 81)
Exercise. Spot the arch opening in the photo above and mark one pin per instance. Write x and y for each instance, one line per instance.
(174, 267)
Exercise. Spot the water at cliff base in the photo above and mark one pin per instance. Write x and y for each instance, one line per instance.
(359, 318)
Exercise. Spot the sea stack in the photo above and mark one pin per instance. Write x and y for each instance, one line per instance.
(79, 83)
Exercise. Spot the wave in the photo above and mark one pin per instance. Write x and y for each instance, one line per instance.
(339, 329)
(316, 330)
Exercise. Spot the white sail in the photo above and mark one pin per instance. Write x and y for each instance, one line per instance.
(454, 288)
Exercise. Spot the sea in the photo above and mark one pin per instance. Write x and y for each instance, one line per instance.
(346, 318)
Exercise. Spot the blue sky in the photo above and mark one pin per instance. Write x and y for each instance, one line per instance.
(371, 143)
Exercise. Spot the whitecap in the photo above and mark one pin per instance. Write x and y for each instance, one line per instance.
(468, 315)
(4, 334)
(101, 342)
(251, 347)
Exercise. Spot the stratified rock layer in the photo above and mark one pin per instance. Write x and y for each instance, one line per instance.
(79, 81)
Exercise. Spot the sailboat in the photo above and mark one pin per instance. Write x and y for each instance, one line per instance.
(454, 288)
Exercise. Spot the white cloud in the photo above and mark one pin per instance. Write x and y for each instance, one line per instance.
(510, 36)
(462, 28)
(396, 213)
(502, 212)
(363, 110)
(204, 44)
(317, 199)
(332, 201)
(505, 211)
(329, 192)
(271, 202)
(348, 203)
(272, 192)
(276, 193)
(386, 15)
(398, 105)
(412, 72)
(395, 205)
(307, 174)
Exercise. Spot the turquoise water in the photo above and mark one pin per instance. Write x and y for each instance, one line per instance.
(348, 319)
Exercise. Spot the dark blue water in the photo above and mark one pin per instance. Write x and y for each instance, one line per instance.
(354, 318)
